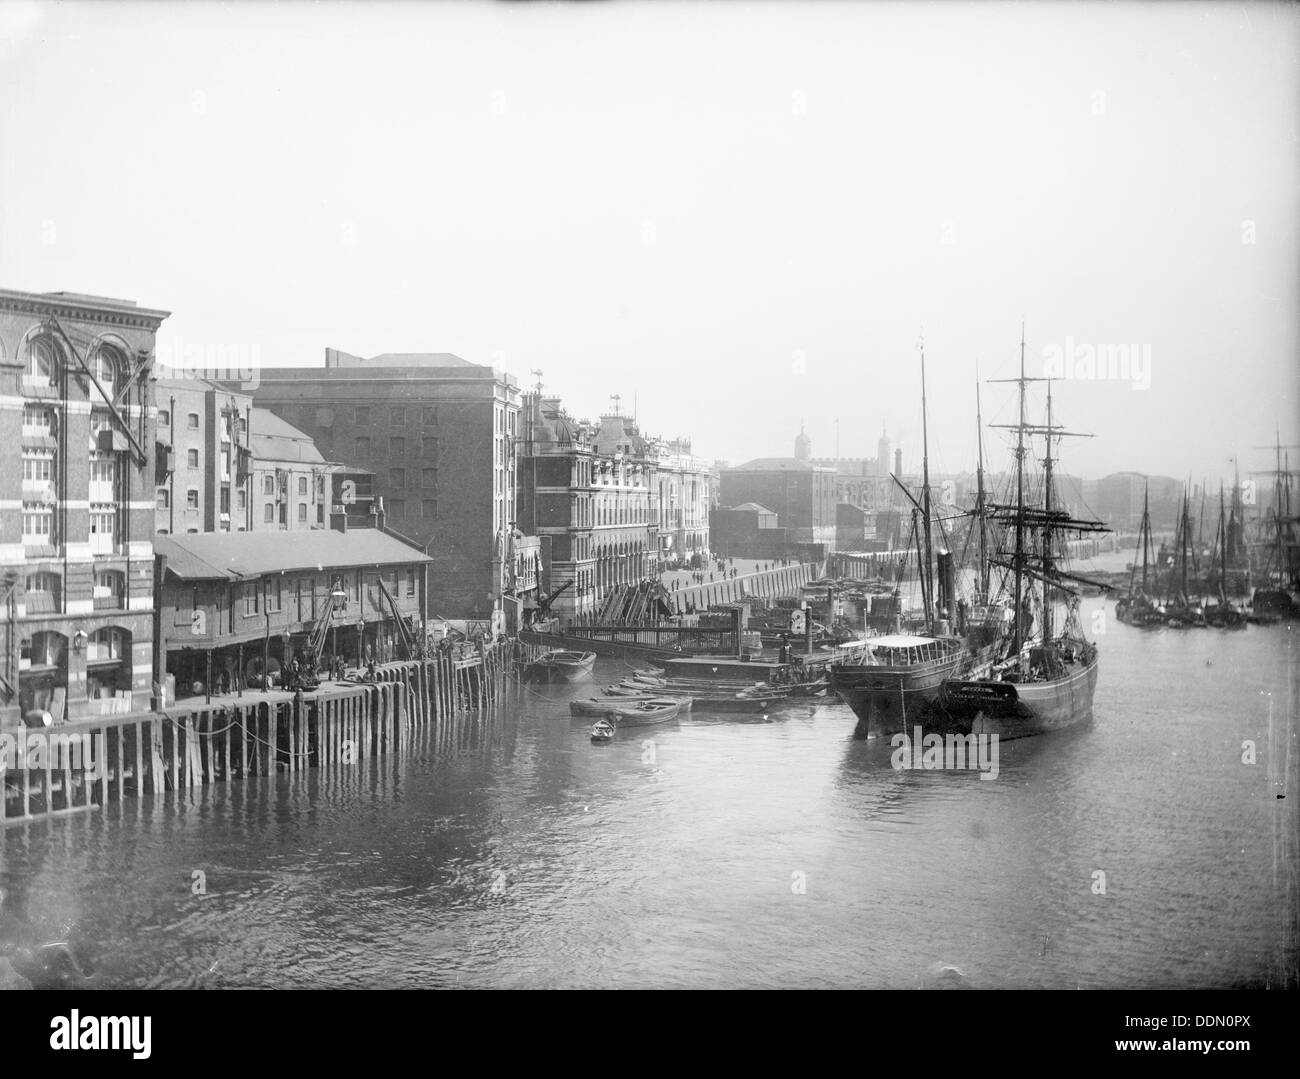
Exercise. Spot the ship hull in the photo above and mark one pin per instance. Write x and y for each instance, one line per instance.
(1018, 709)
(889, 699)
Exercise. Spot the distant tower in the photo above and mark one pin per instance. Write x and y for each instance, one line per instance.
(882, 454)
(898, 462)
(802, 446)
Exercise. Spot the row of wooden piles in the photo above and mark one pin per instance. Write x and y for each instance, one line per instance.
(96, 762)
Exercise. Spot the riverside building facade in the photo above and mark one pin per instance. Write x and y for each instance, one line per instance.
(77, 515)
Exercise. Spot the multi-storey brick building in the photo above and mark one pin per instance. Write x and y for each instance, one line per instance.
(203, 456)
(625, 505)
(77, 516)
(610, 506)
(556, 498)
(437, 432)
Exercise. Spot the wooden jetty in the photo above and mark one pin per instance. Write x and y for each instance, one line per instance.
(259, 734)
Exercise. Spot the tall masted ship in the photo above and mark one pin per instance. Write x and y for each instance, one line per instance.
(900, 676)
(1042, 679)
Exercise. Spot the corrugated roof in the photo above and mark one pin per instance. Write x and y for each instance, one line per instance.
(206, 556)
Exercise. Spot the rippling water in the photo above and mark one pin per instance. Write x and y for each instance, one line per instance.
(725, 851)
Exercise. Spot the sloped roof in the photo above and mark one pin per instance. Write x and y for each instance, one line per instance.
(276, 440)
(207, 556)
(749, 507)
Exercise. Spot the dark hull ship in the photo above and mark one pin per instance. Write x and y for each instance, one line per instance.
(1043, 681)
(1278, 596)
(901, 678)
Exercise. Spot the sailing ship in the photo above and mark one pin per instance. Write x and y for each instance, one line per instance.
(1138, 608)
(1224, 614)
(1181, 611)
(1279, 595)
(900, 675)
(1042, 679)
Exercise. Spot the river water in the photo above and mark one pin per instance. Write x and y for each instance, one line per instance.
(725, 851)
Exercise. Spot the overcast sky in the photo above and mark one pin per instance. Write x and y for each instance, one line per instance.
(739, 214)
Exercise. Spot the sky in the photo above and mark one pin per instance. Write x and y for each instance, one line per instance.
(738, 217)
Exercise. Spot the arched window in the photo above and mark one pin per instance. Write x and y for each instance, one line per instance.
(44, 358)
(108, 369)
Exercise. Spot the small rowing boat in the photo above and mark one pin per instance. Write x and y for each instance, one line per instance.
(600, 706)
(643, 713)
(559, 665)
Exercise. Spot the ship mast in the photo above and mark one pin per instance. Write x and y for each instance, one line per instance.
(927, 581)
(1050, 519)
(1016, 641)
(1223, 549)
(1187, 523)
(979, 496)
(1048, 568)
(1146, 530)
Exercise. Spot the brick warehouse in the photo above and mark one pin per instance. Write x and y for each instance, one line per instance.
(77, 518)
(438, 433)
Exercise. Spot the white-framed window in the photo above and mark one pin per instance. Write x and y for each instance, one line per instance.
(38, 420)
(38, 466)
(106, 366)
(105, 646)
(192, 498)
(38, 523)
(164, 498)
(192, 421)
(100, 420)
(103, 478)
(44, 358)
(164, 418)
(302, 486)
(101, 528)
(268, 485)
(42, 593)
(109, 588)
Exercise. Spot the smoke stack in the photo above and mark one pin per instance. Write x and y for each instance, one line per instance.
(898, 462)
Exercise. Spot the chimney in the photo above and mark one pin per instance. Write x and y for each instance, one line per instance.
(898, 462)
